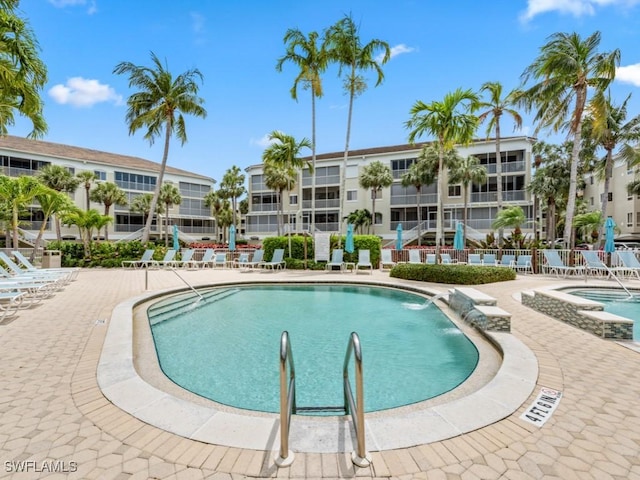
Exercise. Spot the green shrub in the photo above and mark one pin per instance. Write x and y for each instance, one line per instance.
(452, 274)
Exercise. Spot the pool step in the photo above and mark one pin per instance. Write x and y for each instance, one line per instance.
(162, 313)
(337, 409)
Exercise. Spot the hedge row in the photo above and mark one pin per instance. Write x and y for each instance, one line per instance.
(452, 274)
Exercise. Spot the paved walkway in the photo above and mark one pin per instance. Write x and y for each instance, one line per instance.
(53, 417)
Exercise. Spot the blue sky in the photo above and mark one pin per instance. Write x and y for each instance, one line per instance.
(438, 47)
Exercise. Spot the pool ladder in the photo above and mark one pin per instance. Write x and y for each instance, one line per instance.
(354, 407)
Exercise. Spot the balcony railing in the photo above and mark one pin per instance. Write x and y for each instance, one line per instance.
(492, 197)
(330, 180)
(411, 199)
(328, 203)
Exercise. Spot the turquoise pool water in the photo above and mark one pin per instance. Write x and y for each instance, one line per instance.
(617, 302)
(227, 349)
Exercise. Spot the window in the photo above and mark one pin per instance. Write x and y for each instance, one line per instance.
(630, 219)
(352, 195)
(591, 201)
(637, 219)
(293, 199)
(591, 180)
(377, 194)
(610, 197)
(378, 218)
(455, 191)
(100, 175)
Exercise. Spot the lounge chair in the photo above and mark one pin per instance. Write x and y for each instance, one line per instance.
(554, 264)
(414, 256)
(220, 260)
(445, 259)
(628, 263)
(185, 259)
(386, 260)
(474, 259)
(277, 260)
(431, 259)
(489, 259)
(506, 260)
(594, 265)
(523, 264)
(145, 261)
(364, 261)
(256, 260)
(205, 261)
(41, 275)
(29, 267)
(166, 261)
(10, 302)
(336, 260)
(241, 261)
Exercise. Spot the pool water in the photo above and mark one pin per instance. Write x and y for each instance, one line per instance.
(616, 302)
(227, 349)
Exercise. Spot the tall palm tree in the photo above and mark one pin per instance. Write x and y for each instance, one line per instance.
(60, 179)
(375, 177)
(87, 177)
(467, 171)
(607, 126)
(17, 193)
(359, 219)
(231, 188)
(567, 68)
(588, 223)
(23, 74)
(51, 203)
(279, 178)
(216, 203)
(312, 60)
(452, 123)
(512, 217)
(86, 221)
(159, 104)
(142, 204)
(421, 172)
(497, 106)
(353, 56)
(108, 193)
(169, 196)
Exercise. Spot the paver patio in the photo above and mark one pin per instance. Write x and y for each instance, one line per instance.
(53, 416)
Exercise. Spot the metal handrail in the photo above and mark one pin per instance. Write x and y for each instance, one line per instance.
(355, 407)
(287, 399)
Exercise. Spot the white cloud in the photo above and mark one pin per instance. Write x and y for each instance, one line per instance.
(577, 8)
(91, 5)
(197, 22)
(395, 51)
(82, 92)
(262, 142)
(629, 74)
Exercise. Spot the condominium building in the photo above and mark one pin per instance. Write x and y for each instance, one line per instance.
(622, 207)
(397, 204)
(136, 176)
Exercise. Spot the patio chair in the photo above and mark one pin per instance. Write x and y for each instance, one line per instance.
(166, 261)
(336, 260)
(144, 262)
(523, 264)
(414, 256)
(241, 261)
(256, 260)
(594, 265)
(430, 259)
(554, 264)
(29, 267)
(474, 259)
(489, 259)
(507, 260)
(629, 263)
(205, 261)
(10, 302)
(445, 259)
(42, 275)
(386, 260)
(364, 261)
(185, 259)
(277, 260)
(220, 260)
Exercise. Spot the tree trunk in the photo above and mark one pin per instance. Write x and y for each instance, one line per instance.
(608, 170)
(312, 224)
(419, 215)
(156, 193)
(499, 177)
(343, 179)
(440, 212)
(373, 213)
(106, 227)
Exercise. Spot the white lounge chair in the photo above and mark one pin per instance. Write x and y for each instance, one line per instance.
(364, 261)
(277, 260)
(475, 259)
(628, 263)
(414, 256)
(337, 260)
(523, 264)
(386, 259)
(29, 267)
(145, 261)
(257, 259)
(554, 265)
(166, 261)
(220, 260)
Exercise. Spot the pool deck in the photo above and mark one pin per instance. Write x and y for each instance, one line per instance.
(53, 414)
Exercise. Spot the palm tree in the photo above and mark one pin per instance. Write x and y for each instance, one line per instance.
(512, 217)
(231, 188)
(421, 173)
(87, 177)
(142, 204)
(108, 193)
(17, 194)
(60, 179)
(606, 126)
(375, 177)
(498, 106)
(160, 104)
(567, 68)
(51, 203)
(86, 221)
(279, 179)
(359, 219)
(347, 49)
(451, 122)
(467, 171)
(216, 203)
(589, 223)
(169, 196)
(312, 61)
(22, 72)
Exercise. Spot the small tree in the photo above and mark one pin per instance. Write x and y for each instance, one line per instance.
(87, 177)
(375, 177)
(169, 196)
(108, 193)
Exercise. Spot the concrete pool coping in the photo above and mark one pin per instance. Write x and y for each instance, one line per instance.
(121, 383)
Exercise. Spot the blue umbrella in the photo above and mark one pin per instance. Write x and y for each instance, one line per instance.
(399, 237)
(458, 239)
(176, 243)
(609, 225)
(349, 247)
(232, 238)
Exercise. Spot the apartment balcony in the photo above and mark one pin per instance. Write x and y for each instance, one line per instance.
(507, 167)
(329, 180)
(430, 198)
(492, 197)
(264, 207)
(324, 203)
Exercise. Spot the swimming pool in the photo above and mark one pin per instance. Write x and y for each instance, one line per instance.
(227, 349)
(615, 301)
